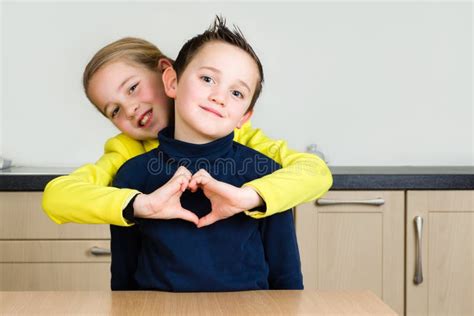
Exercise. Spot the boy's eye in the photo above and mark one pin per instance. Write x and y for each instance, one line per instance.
(132, 88)
(207, 79)
(114, 112)
(237, 94)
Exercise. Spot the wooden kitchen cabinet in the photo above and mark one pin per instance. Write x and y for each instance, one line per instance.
(37, 254)
(353, 243)
(447, 243)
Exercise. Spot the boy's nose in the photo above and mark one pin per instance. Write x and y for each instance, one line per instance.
(218, 98)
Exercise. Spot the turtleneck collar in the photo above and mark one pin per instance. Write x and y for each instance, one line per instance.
(179, 149)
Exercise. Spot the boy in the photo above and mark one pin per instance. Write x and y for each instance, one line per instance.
(215, 82)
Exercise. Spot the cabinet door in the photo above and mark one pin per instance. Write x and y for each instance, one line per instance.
(354, 243)
(445, 253)
(23, 218)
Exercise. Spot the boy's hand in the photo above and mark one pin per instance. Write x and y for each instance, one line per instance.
(164, 202)
(226, 199)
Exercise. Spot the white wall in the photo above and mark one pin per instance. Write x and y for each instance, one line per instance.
(371, 83)
(1, 77)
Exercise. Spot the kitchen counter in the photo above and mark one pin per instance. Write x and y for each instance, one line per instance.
(345, 178)
(305, 302)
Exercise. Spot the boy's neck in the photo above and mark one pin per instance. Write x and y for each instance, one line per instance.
(185, 133)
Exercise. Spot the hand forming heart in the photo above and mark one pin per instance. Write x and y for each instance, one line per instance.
(226, 199)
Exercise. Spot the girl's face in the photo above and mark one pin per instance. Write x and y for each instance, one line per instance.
(132, 97)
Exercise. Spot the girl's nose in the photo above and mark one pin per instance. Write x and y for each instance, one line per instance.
(131, 109)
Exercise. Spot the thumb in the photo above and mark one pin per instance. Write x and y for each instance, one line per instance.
(187, 216)
(209, 219)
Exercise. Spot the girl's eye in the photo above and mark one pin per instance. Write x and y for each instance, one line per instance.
(114, 112)
(237, 94)
(132, 88)
(207, 79)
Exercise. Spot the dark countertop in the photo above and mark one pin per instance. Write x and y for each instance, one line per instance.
(345, 178)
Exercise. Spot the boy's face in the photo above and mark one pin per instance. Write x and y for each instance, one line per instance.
(214, 93)
(132, 97)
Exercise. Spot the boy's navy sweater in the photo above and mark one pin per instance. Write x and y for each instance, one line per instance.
(237, 253)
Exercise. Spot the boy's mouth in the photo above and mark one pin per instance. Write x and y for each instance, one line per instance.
(211, 110)
(145, 119)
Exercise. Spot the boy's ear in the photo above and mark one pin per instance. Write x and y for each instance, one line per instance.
(170, 82)
(245, 118)
(164, 63)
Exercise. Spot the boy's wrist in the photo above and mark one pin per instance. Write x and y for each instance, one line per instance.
(141, 205)
(252, 199)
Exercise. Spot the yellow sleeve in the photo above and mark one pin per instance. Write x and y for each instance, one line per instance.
(84, 196)
(303, 177)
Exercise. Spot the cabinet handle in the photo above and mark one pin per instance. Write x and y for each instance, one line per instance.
(418, 279)
(377, 201)
(98, 251)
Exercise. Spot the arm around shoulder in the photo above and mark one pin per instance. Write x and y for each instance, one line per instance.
(84, 196)
(303, 177)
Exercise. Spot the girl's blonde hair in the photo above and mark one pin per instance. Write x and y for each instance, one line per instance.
(131, 49)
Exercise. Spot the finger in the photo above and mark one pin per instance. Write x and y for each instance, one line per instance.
(202, 172)
(199, 180)
(202, 180)
(207, 220)
(172, 187)
(184, 181)
(177, 184)
(187, 172)
(192, 186)
(183, 171)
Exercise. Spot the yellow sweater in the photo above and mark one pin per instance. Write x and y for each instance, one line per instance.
(84, 196)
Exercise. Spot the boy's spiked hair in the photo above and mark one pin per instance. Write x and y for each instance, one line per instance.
(218, 32)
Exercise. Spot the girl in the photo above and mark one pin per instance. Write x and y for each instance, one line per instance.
(123, 81)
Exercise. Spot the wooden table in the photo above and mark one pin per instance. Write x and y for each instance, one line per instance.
(306, 302)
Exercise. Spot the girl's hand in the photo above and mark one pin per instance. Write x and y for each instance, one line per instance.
(226, 199)
(164, 202)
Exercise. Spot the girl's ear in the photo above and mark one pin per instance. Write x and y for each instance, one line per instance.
(245, 118)
(170, 82)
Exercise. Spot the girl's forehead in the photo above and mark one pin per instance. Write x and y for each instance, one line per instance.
(123, 65)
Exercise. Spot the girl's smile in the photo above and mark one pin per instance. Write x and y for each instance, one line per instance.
(132, 97)
(146, 119)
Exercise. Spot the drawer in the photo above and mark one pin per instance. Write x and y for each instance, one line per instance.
(36, 251)
(23, 218)
(54, 276)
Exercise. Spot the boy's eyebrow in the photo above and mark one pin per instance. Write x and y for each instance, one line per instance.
(219, 72)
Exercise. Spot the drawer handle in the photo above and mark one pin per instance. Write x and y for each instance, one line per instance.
(98, 251)
(418, 279)
(377, 202)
